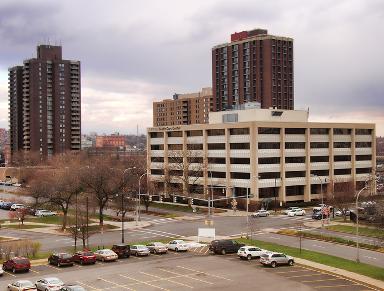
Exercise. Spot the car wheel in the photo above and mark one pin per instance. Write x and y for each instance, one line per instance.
(223, 251)
(13, 270)
(58, 264)
(249, 257)
(81, 262)
(176, 250)
(290, 262)
(103, 260)
(273, 264)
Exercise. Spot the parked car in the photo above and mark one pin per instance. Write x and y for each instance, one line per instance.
(44, 213)
(157, 248)
(7, 205)
(17, 264)
(122, 250)
(285, 211)
(17, 206)
(340, 212)
(225, 246)
(139, 250)
(275, 259)
(106, 255)
(49, 284)
(60, 259)
(296, 212)
(177, 245)
(260, 213)
(70, 287)
(84, 257)
(250, 252)
(21, 285)
(317, 215)
(1, 272)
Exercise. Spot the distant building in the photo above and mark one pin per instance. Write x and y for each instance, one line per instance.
(45, 104)
(87, 141)
(108, 141)
(192, 108)
(254, 66)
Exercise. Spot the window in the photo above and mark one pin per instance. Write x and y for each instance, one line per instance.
(289, 160)
(175, 133)
(295, 131)
(342, 131)
(363, 170)
(267, 130)
(343, 171)
(342, 158)
(363, 144)
(239, 146)
(294, 174)
(315, 131)
(320, 159)
(320, 173)
(196, 160)
(269, 145)
(271, 175)
(319, 145)
(215, 132)
(236, 161)
(175, 147)
(220, 175)
(295, 145)
(157, 159)
(363, 131)
(216, 146)
(240, 176)
(194, 133)
(339, 145)
(363, 158)
(194, 146)
(157, 171)
(157, 147)
(216, 160)
(239, 131)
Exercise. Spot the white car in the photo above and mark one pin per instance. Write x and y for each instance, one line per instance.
(177, 245)
(260, 213)
(1, 272)
(289, 209)
(49, 284)
(139, 250)
(16, 206)
(296, 212)
(43, 213)
(250, 252)
(105, 255)
(21, 285)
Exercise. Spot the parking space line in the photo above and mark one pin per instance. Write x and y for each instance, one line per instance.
(334, 286)
(292, 271)
(298, 276)
(115, 284)
(143, 282)
(53, 267)
(166, 279)
(88, 286)
(216, 276)
(187, 276)
(13, 275)
(34, 271)
(321, 280)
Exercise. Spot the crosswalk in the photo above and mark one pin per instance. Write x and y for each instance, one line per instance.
(161, 220)
(295, 218)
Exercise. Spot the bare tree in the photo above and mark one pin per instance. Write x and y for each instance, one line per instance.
(342, 197)
(20, 214)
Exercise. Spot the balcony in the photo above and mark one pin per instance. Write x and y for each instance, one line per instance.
(342, 165)
(195, 139)
(295, 153)
(157, 140)
(295, 181)
(267, 153)
(244, 183)
(295, 167)
(245, 138)
(268, 168)
(342, 138)
(363, 151)
(319, 138)
(320, 166)
(362, 177)
(316, 179)
(342, 151)
(175, 140)
(363, 138)
(295, 138)
(319, 152)
(241, 168)
(267, 183)
(217, 168)
(157, 153)
(363, 164)
(216, 153)
(216, 139)
(268, 138)
(343, 178)
(216, 181)
(155, 165)
(240, 153)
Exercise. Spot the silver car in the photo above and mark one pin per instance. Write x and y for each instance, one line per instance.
(275, 259)
(157, 248)
(260, 213)
(21, 285)
(139, 250)
(49, 284)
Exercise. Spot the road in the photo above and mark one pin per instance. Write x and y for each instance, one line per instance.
(186, 271)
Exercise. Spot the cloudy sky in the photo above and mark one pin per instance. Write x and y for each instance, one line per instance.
(134, 52)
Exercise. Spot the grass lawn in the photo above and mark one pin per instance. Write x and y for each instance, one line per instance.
(48, 219)
(364, 231)
(96, 228)
(359, 268)
(25, 226)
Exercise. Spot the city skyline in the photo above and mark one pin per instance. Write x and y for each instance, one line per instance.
(338, 78)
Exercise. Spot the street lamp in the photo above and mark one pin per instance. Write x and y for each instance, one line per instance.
(138, 203)
(275, 193)
(122, 205)
(322, 197)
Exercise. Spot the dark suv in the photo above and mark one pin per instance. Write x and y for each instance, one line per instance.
(123, 251)
(60, 259)
(225, 246)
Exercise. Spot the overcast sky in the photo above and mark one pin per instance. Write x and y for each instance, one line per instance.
(134, 52)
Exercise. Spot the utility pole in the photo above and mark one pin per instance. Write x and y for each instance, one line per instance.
(76, 222)
(122, 217)
(87, 209)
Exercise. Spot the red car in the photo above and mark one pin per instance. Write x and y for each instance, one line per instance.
(17, 264)
(84, 257)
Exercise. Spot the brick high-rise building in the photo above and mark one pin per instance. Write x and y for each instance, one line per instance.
(192, 108)
(254, 66)
(45, 104)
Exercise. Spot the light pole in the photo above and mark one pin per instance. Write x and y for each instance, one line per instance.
(275, 193)
(122, 205)
(322, 198)
(210, 199)
(138, 203)
(357, 223)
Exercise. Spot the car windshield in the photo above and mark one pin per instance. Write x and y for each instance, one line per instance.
(242, 249)
(65, 256)
(21, 261)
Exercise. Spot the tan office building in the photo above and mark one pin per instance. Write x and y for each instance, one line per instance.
(183, 109)
(265, 152)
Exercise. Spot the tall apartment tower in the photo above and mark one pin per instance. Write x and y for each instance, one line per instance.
(45, 104)
(254, 66)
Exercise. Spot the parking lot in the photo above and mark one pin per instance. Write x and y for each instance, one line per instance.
(192, 270)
